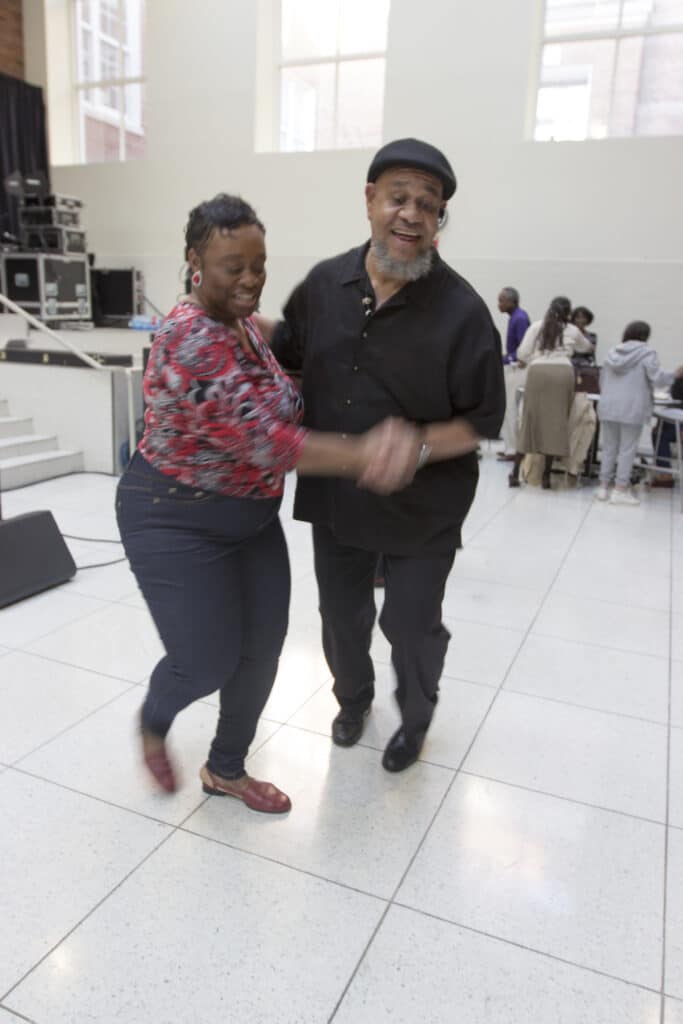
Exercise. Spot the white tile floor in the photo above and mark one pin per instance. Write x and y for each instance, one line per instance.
(528, 871)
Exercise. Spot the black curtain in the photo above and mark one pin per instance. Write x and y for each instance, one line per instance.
(23, 141)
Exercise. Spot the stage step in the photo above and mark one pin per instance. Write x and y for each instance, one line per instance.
(32, 469)
(11, 426)
(30, 458)
(26, 444)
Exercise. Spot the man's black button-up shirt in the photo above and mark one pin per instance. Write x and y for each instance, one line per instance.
(429, 354)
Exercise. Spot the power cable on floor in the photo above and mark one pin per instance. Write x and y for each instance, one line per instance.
(93, 540)
(100, 565)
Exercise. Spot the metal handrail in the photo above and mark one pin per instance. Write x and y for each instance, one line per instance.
(85, 358)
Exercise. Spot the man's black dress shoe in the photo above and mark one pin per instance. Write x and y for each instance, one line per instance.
(347, 727)
(402, 751)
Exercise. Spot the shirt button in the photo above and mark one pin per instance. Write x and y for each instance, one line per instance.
(355, 369)
(348, 401)
(364, 334)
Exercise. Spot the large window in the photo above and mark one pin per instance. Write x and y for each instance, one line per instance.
(330, 80)
(109, 79)
(611, 68)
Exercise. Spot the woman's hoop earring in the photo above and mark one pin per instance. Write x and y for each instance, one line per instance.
(197, 278)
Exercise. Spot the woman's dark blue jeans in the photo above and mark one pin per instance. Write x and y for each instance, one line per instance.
(214, 572)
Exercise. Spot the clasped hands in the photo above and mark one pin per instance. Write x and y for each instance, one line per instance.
(389, 456)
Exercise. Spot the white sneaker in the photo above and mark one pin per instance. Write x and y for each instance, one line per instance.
(623, 498)
(602, 493)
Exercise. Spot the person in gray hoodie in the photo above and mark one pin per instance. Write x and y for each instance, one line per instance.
(628, 378)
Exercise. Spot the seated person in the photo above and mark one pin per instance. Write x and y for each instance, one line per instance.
(667, 437)
(582, 318)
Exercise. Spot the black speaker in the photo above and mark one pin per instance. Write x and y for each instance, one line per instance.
(33, 556)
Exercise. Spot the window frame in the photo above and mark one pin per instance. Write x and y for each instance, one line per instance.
(615, 35)
(281, 64)
(97, 86)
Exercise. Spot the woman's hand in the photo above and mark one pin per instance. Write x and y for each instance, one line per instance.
(389, 454)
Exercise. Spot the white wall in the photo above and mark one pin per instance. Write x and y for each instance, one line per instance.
(86, 409)
(35, 68)
(601, 221)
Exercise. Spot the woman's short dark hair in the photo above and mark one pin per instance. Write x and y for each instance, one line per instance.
(637, 330)
(222, 212)
(585, 312)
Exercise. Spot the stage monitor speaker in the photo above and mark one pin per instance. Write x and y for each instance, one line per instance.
(33, 556)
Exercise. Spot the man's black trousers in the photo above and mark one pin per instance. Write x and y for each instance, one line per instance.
(410, 620)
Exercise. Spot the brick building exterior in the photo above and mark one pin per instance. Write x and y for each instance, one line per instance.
(11, 38)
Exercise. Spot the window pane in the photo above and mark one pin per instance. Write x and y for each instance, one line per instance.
(86, 70)
(109, 96)
(363, 26)
(360, 103)
(109, 18)
(660, 100)
(100, 137)
(134, 125)
(134, 28)
(309, 28)
(307, 107)
(575, 90)
(626, 82)
(569, 16)
(652, 13)
(109, 61)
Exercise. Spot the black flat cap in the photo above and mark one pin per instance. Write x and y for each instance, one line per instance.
(414, 153)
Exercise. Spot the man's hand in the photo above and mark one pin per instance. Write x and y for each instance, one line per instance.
(390, 453)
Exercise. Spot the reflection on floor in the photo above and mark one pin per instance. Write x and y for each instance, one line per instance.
(529, 870)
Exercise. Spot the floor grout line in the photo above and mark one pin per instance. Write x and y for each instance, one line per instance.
(601, 647)
(102, 601)
(67, 728)
(528, 949)
(501, 508)
(85, 917)
(98, 799)
(15, 1013)
(668, 775)
(586, 707)
(70, 664)
(563, 798)
(173, 829)
(280, 863)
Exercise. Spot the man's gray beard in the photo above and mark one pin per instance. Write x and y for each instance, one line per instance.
(401, 270)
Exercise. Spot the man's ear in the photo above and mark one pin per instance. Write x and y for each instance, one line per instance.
(370, 190)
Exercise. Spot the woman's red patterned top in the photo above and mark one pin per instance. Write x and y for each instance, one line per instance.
(217, 418)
